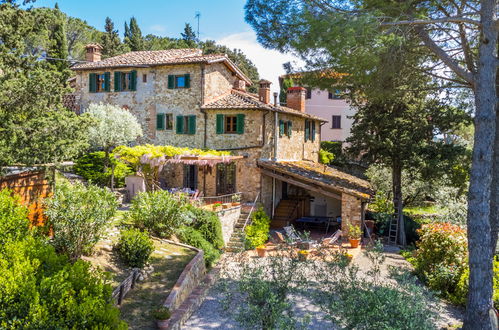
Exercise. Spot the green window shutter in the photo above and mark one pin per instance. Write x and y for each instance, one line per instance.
(117, 81)
(171, 82)
(313, 131)
(133, 81)
(187, 81)
(92, 83)
(307, 130)
(290, 128)
(192, 124)
(281, 128)
(220, 124)
(160, 121)
(107, 81)
(180, 124)
(240, 123)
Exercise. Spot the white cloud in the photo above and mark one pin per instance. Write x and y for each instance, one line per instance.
(269, 62)
(158, 28)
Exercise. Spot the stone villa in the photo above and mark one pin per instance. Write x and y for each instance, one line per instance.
(187, 99)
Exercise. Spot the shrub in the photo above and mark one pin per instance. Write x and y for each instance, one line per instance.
(134, 247)
(162, 313)
(209, 225)
(42, 290)
(13, 217)
(160, 212)
(78, 215)
(257, 233)
(194, 237)
(440, 245)
(91, 167)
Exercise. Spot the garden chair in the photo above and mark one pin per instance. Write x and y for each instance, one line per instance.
(292, 234)
(331, 240)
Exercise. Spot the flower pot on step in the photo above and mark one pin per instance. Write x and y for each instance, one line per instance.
(261, 251)
(354, 242)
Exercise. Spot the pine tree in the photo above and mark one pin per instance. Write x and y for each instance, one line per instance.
(58, 49)
(111, 43)
(133, 35)
(189, 35)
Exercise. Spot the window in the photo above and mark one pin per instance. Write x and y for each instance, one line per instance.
(99, 82)
(230, 124)
(336, 122)
(309, 93)
(226, 178)
(164, 121)
(144, 78)
(285, 128)
(168, 121)
(309, 130)
(191, 177)
(125, 81)
(179, 81)
(335, 96)
(186, 124)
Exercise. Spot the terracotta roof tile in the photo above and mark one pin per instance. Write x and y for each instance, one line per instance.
(328, 178)
(242, 100)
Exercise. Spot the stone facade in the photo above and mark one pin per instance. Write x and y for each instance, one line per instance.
(351, 211)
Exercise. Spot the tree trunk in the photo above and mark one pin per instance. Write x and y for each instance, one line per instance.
(479, 301)
(397, 199)
(113, 166)
(494, 194)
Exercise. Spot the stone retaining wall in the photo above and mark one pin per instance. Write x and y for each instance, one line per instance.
(228, 218)
(190, 278)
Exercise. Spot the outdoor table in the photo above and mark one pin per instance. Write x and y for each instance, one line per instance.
(318, 221)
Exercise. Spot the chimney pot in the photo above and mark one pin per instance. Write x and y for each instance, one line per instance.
(93, 52)
(275, 98)
(264, 91)
(295, 98)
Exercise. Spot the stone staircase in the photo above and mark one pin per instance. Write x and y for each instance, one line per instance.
(236, 241)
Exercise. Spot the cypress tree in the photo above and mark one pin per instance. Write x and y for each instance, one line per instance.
(111, 43)
(133, 35)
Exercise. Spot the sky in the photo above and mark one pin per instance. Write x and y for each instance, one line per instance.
(221, 20)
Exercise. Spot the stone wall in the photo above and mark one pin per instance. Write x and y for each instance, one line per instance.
(218, 81)
(188, 280)
(295, 147)
(228, 218)
(351, 210)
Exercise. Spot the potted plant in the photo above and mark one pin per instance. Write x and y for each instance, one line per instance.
(217, 206)
(236, 200)
(354, 234)
(348, 256)
(261, 250)
(162, 315)
(226, 205)
(303, 255)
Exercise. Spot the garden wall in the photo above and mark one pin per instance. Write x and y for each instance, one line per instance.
(228, 218)
(191, 277)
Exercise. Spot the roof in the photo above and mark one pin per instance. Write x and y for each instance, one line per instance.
(237, 99)
(327, 178)
(149, 58)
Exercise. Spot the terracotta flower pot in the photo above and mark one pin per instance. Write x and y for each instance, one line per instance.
(354, 242)
(261, 252)
(162, 324)
(236, 203)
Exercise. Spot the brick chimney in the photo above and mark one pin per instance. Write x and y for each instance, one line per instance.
(264, 91)
(240, 84)
(295, 98)
(93, 52)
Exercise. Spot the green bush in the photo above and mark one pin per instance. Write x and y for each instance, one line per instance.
(194, 237)
(134, 247)
(257, 233)
(42, 290)
(14, 221)
(209, 225)
(91, 167)
(160, 212)
(336, 149)
(78, 215)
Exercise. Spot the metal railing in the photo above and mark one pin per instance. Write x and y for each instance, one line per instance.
(222, 199)
(251, 211)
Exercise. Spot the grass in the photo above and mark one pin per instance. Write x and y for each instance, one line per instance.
(168, 260)
(423, 210)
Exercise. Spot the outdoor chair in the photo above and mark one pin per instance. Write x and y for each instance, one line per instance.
(292, 234)
(331, 240)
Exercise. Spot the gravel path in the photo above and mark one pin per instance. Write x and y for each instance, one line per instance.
(211, 316)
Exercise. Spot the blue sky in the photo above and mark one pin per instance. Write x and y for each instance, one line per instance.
(221, 20)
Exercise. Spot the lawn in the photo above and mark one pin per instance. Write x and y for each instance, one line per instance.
(168, 260)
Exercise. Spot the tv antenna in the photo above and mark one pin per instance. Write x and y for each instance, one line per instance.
(198, 16)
